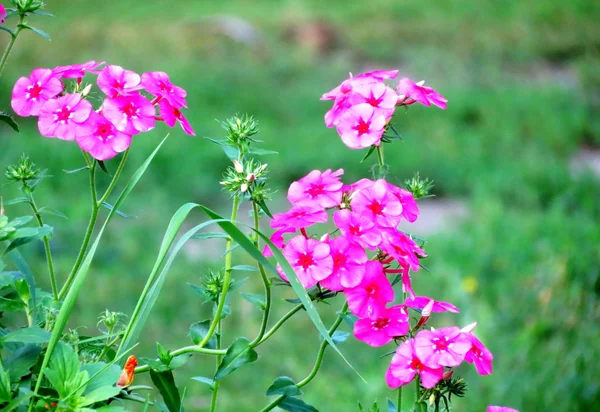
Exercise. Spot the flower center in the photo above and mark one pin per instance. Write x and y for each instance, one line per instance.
(371, 289)
(374, 101)
(355, 230)
(440, 344)
(339, 260)
(362, 127)
(380, 323)
(305, 261)
(34, 91)
(376, 208)
(315, 190)
(177, 113)
(476, 352)
(63, 115)
(117, 85)
(415, 364)
(104, 131)
(130, 110)
(165, 87)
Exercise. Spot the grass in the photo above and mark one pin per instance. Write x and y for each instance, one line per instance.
(520, 78)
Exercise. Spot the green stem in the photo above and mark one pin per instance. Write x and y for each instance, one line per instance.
(279, 323)
(215, 391)
(10, 45)
(380, 155)
(318, 362)
(113, 182)
(266, 283)
(417, 388)
(47, 249)
(400, 399)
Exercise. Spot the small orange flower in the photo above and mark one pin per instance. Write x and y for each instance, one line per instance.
(126, 377)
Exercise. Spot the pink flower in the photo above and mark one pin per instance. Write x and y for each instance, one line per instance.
(171, 115)
(361, 126)
(363, 78)
(442, 347)
(419, 302)
(310, 259)
(357, 228)
(406, 364)
(2, 14)
(277, 239)
(30, 94)
(130, 114)
(381, 329)
(77, 70)
(500, 409)
(402, 248)
(378, 204)
(411, 92)
(62, 117)
(324, 189)
(349, 261)
(115, 80)
(410, 210)
(478, 354)
(300, 216)
(381, 97)
(369, 297)
(101, 139)
(159, 85)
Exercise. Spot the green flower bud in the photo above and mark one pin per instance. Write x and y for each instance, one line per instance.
(24, 171)
(213, 285)
(419, 188)
(240, 129)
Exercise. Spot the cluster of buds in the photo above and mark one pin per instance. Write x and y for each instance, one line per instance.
(109, 321)
(25, 171)
(23, 7)
(247, 179)
(240, 130)
(213, 285)
(419, 188)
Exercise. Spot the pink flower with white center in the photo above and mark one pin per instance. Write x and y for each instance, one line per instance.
(101, 139)
(479, 354)
(369, 297)
(361, 126)
(363, 78)
(442, 347)
(357, 228)
(30, 94)
(2, 14)
(310, 259)
(171, 115)
(77, 71)
(378, 204)
(130, 114)
(115, 80)
(381, 97)
(500, 409)
(349, 260)
(159, 85)
(324, 189)
(382, 329)
(277, 239)
(419, 302)
(410, 210)
(402, 248)
(411, 92)
(299, 217)
(63, 117)
(406, 364)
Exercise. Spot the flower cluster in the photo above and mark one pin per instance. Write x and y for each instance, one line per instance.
(129, 108)
(364, 105)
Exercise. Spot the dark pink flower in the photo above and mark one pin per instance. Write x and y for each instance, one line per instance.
(381, 329)
(349, 261)
(130, 114)
(115, 81)
(77, 70)
(406, 364)
(479, 354)
(324, 189)
(299, 217)
(159, 85)
(500, 409)
(30, 94)
(410, 210)
(442, 347)
(363, 78)
(278, 240)
(402, 248)
(378, 204)
(369, 297)
(101, 139)
(171, 115)
(411, 92)
(381, 97)
(62, 117)
(358, 228)
(310, 259)
(419, 302)
(2, 14)
(361, 126)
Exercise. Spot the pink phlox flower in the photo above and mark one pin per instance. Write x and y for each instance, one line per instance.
(381, 329)
(130, 114)
(410, 210)
(62, 117)
(171, 115)
(324, 189)
(278, 240)
(363, 78)
(159, 85)
(369, 297)
(359, 185)
(310, 259)
(378, 204)
(401, 247)
(406, 364)
(77, 71)
(478, 354)
(381, 97)
(357, 228)
(407, 89)
(349, 260)
(342, 104)
(500, 409)
(101, 139)
(361, 126)
(299, 217)
(419, 302)
(2, 14)
(442, 347)
(115, 80)
(30, 93)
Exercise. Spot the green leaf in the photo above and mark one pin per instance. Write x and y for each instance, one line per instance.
(6, 118)
(101, 374)
(258, 301)
(263, 206)
(35, 30)
(349, 318)
(339, 336)
(210, 235)
(50, 211)
(27, 235)
(27, 335)
(238, 354)
(230, 151)
(392, 407)
(101, 394)
(16, 201)
(207, 381)
(5, 392)
(199, 330)
(245, 268)
(19, 363)
(63, 370)
(261, 152)
(76, 170)
(42, 13)
(165, 383)
(237, 284)
(23, 267)
(284, 386)
(179, 361)
(293, 404)
(103, 167)
(12, 33)
(163, 354)
(369, 153)
(110, 207)
(18, 401)
(20, 221)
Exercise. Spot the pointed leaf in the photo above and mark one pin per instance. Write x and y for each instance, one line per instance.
(103, 167)
(238, 354)
(5, 391)
(16, 201)
(369, 153)
(76, 170)
(207, 381)
(27, 335)
(36, 30)
(165, 383)
(230, 151)
(210, 235)
(284, 386)
(199, 330)
(12, 33)
(258, 301)
(19, 363)
(392, 407)
(110, 207)
(101, 394)
(50, 211)
(293, 404)
(8, 119)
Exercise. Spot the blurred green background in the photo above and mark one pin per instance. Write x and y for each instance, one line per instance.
(513, 234)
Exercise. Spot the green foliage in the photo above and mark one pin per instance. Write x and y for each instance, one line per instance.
(165, 383)
(238, 354)
(284, 385)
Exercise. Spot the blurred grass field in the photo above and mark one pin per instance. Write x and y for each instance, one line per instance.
(523, 84)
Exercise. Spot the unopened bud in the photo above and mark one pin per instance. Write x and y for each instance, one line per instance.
(425, 313)
(251, 177)
(342, 205)
(244, 187)
(238, 167)
(469, 328)
(448, 375)
(325, 237)
(87, 90)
